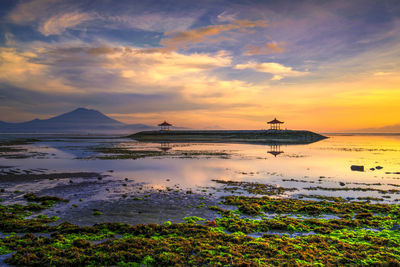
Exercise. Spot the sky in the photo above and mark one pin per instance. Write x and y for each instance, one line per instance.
(326, 66)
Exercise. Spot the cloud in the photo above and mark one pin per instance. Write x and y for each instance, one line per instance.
(55, 16)
(278, 70)
(157, 22)
(381, 73)
(87, 69)
(9, 39)
(106, 74)
(226, 16)
(50, 17)
(268, 48)
(19, 99)
(57, 24)
(30, 11)
(180, 39)
(23, 69)
(109, 58)
(84, 68)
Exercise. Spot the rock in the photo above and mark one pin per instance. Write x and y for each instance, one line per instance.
(358, 168)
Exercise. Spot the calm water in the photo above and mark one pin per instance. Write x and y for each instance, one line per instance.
(325, 163)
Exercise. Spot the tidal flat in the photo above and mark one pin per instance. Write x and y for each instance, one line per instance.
(107, 201)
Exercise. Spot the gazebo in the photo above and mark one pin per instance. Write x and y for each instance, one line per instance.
(164, 126)
(275, 124)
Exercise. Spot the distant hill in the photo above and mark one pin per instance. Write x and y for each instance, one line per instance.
(386, 129)
(80, 120)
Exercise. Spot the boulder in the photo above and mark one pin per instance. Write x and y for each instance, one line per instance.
(358, 168)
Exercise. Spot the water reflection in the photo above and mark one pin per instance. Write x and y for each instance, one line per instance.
(326, 163)
(165, 146)
(321, 168)
(275, 149)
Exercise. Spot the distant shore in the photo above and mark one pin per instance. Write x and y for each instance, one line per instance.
(234, 136)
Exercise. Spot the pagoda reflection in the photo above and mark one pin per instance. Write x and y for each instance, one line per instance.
(165, 146)
(275, 149)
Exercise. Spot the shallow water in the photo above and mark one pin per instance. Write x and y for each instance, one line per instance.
(325, 164)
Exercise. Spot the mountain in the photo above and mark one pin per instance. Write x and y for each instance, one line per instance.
(83, 115)
(80, 120)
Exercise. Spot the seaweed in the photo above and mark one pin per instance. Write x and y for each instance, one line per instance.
(382, 191)
(222, 241)
(45, 200)
(120, 152)
(254, 188)
(192, 244)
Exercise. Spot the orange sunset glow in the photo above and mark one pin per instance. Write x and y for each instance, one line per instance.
(204, 66)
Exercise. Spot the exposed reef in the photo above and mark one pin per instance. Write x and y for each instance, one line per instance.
(245, 136)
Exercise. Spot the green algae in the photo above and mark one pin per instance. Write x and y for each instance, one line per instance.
(255, 205)
(183, 244)
(192, 219)
(371, 198)
(4, 250)
(329, 198)
(363, 189)
(345, 240)
(45, 200)
(253, 188)
(120, 152)
(123, 153)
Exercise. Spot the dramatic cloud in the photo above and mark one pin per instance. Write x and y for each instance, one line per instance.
(278, 70)
(59, 23)
(202, 34)
(218, 59)
(30, 11)
(88, 70)
(21, 69)
(55, 16)
(124, 69)
(50, 17)
(268, 48)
